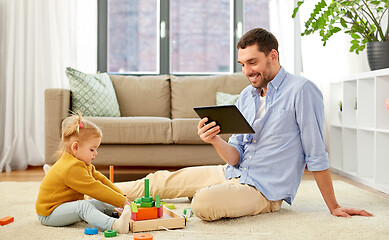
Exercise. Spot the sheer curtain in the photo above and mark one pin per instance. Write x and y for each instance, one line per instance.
(38, 40)
(287, 31)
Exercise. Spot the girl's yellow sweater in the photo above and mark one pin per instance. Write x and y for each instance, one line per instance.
(69, 179)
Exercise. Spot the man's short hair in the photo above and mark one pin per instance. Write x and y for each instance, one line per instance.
(264, 39)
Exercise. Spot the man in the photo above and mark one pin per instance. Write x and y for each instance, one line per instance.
(265, 168)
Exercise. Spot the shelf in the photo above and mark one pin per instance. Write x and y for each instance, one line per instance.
(382, 120)
(352, 127)
(382, 158)
(349, 114)
(349, 147)
(336, 147)
(382, 130)
(359, 135)
(370, 74)
(365, 153)
(365, 105)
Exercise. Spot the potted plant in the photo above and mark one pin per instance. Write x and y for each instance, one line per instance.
(361, 19)
(340, 111)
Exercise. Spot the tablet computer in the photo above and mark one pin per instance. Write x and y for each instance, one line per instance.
(228, 117)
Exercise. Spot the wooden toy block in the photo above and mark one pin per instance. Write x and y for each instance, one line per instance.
(188, 212)
(169, 220)
(158, 201)
(110, 233)
(91, 231)
(146, 213)
(144, 236)
(134, 215)
(6, 220)
(169, 205)
(111, 173)
(154, 216)
(160, 212)
(134, 207)
(147, 204)
(147, 188)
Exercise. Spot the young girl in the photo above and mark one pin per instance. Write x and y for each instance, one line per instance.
(61, 195)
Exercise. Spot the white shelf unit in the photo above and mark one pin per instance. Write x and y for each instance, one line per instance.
(359, 134)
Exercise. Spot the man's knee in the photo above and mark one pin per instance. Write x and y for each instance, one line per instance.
(203, 206)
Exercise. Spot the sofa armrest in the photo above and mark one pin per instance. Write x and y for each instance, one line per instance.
(57, 105)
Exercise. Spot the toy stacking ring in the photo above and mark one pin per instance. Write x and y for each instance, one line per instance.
(143, 237)
(110, 233)
(91, 231)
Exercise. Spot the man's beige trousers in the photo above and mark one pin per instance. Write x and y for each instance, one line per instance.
(214, 197)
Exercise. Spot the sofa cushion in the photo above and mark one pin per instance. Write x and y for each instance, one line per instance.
(195, 91)
(143, 96)
(226, 99)
(92, 94)
(185, 131)
(134, 130)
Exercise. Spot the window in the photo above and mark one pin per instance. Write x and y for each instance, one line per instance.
(200, 36)
(256, 14)
(132, 36)
(175, 36)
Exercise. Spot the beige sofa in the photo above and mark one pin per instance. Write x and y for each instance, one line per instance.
(157, 127)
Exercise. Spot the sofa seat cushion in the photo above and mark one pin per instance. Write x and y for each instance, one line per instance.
(185, 131)
(134, 130)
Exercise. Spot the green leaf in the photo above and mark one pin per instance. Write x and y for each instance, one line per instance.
(355, 36)
(336, 29)
(343, 22)
(354, 42)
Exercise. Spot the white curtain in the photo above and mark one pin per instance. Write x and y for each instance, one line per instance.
(287, 31)
(37, 42)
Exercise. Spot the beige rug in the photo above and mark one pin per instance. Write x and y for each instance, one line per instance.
(307, 218)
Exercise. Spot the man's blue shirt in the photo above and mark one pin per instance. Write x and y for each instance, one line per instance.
(287, 138)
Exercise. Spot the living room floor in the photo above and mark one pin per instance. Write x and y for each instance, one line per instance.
(35, 173)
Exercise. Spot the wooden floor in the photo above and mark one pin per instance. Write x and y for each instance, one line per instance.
(33, 174)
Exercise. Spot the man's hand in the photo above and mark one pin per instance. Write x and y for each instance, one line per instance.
(208, 132)
(324, 181)
(348, 212)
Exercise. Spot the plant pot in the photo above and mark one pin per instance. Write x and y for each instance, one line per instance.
(378, 55)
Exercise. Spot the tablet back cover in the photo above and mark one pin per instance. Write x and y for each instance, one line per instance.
(228, 117)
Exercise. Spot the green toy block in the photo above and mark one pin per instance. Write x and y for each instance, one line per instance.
(147, 188)
(169, 205)
(147, 204)
(138, 200)
(188, 212)
(134, 207)
(158, 201)
(146, 199)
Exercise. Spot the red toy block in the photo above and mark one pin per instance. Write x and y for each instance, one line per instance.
(6, 220)
(133, 216)
(160, 212)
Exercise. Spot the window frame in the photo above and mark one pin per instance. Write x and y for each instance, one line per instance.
(163, 46)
